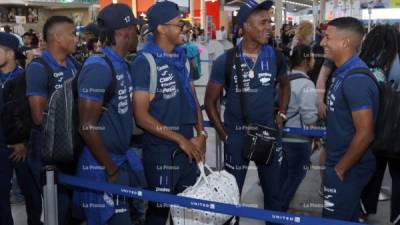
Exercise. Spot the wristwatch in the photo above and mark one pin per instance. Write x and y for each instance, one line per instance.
(204, 133)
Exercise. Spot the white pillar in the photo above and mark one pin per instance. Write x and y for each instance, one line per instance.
(322, 5)
(315, 17)
(351, 3)
(203, 14)
(134, 7)
(285, 14)
(191, 6)
(278, 18)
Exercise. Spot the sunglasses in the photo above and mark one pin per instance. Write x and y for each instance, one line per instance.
(180, 25)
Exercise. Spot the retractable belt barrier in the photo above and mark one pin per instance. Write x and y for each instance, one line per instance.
(216, 207)
(307, 132)
(234, 210)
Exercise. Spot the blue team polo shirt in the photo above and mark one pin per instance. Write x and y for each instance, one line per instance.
(3, 79)
(170, 105)
(116, 123)
(37, 77)
(260, 90)
(348, 94)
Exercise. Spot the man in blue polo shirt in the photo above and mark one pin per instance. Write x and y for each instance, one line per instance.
(352, 110)
(59, 34)
(169, 113)
(14, 157)
(105, 111)
(262, 68)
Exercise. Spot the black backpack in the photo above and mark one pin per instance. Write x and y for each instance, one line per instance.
(61, 139)
(387, 126)
(16, 116)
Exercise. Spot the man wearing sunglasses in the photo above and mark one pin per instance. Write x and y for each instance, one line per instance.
(169, 112)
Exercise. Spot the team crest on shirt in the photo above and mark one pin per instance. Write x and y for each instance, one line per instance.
(265, 78)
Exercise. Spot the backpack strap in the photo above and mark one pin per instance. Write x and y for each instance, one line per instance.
(77, 65)
(153, 72)
(48, 70)
(230, 54)
(278, 59)
(361, 70)
(109, 93)
(296, 76)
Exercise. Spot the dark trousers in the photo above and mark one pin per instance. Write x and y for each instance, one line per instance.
(296, 163)
(65, 207)
(166, 171)
(270, 176)
(342, 198)
(33, 201)
(370, 195)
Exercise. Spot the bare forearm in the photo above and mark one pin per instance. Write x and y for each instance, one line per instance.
(211, 101)
(199, 126)
(359, 145)
(215, 119)
(37, 106)
(153, 126)
(321, 82)
(284, 96)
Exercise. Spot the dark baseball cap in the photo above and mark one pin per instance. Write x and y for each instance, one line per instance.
(92, 28)
(249, 7)
(10, 41)
(161, 13)
(116, 16)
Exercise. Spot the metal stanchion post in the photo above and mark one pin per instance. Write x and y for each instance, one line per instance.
(50, 196)
(369, 16)
(218, 145)
(218, 151)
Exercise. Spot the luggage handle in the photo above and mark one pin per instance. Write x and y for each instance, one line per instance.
(201, 166)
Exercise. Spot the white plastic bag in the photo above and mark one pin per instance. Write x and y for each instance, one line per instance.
(217, 187)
